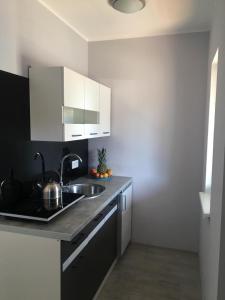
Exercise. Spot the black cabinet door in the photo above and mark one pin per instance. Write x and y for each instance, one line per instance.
(81, 279)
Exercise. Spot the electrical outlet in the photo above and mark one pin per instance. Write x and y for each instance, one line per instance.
(75, 164)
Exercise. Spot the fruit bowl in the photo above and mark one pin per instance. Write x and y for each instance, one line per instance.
(102, 173)
(106, 176)
(103, 179)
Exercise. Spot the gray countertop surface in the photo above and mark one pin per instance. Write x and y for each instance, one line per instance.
(67, 225)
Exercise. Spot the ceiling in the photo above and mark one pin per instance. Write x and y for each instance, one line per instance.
(96, 20)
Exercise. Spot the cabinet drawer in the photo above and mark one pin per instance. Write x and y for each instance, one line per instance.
(84, 275)
(91, 130)
(68, 248)
(73, 132)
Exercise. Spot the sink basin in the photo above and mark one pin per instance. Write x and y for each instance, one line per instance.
(89, 190)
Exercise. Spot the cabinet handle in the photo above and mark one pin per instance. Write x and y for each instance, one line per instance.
(106, 132)
(76, 135)
(113, 203)
(124, 203)
(76, 265)
(77, 240)
(99, 217)
(93, 133)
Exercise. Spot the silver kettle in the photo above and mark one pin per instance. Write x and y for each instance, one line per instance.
(52, 195)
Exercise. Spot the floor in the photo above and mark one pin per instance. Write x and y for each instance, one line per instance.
(150, 273)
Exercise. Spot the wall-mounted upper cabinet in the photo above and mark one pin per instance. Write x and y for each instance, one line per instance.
(66, 106)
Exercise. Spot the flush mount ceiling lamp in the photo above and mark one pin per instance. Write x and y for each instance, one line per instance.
(127, 6)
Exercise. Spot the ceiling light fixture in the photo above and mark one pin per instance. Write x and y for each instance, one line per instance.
(127, 6)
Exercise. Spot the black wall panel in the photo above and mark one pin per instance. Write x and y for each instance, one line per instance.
(16, 149)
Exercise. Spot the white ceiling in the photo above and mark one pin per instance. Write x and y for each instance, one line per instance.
(96, 20)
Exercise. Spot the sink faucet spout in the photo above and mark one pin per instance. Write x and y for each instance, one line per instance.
(62, 164)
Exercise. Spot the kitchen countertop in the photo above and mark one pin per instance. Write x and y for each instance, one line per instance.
(67, 225)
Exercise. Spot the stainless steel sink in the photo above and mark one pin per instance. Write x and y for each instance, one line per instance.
(90, 190)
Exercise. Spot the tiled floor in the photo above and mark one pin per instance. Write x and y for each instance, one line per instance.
(150, 273)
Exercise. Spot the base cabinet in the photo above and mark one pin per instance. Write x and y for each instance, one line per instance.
(125, 218)
(29, 267)
(84, 275)
(59, 270)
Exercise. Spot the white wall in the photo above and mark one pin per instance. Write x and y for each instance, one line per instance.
(158, 109)
(212, 248)
(31, 35)
(158, 99)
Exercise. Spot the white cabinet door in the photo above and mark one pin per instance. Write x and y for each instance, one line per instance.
(105, 110)
(91, 127)
(74, 85)
(73, 112)
(91, 95)
(126, 218)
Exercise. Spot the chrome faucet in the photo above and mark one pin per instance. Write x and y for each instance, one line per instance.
(62, 164)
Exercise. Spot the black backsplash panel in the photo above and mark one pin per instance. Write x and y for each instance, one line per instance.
(16, 149)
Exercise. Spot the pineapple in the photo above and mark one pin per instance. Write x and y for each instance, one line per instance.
(102, 167)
